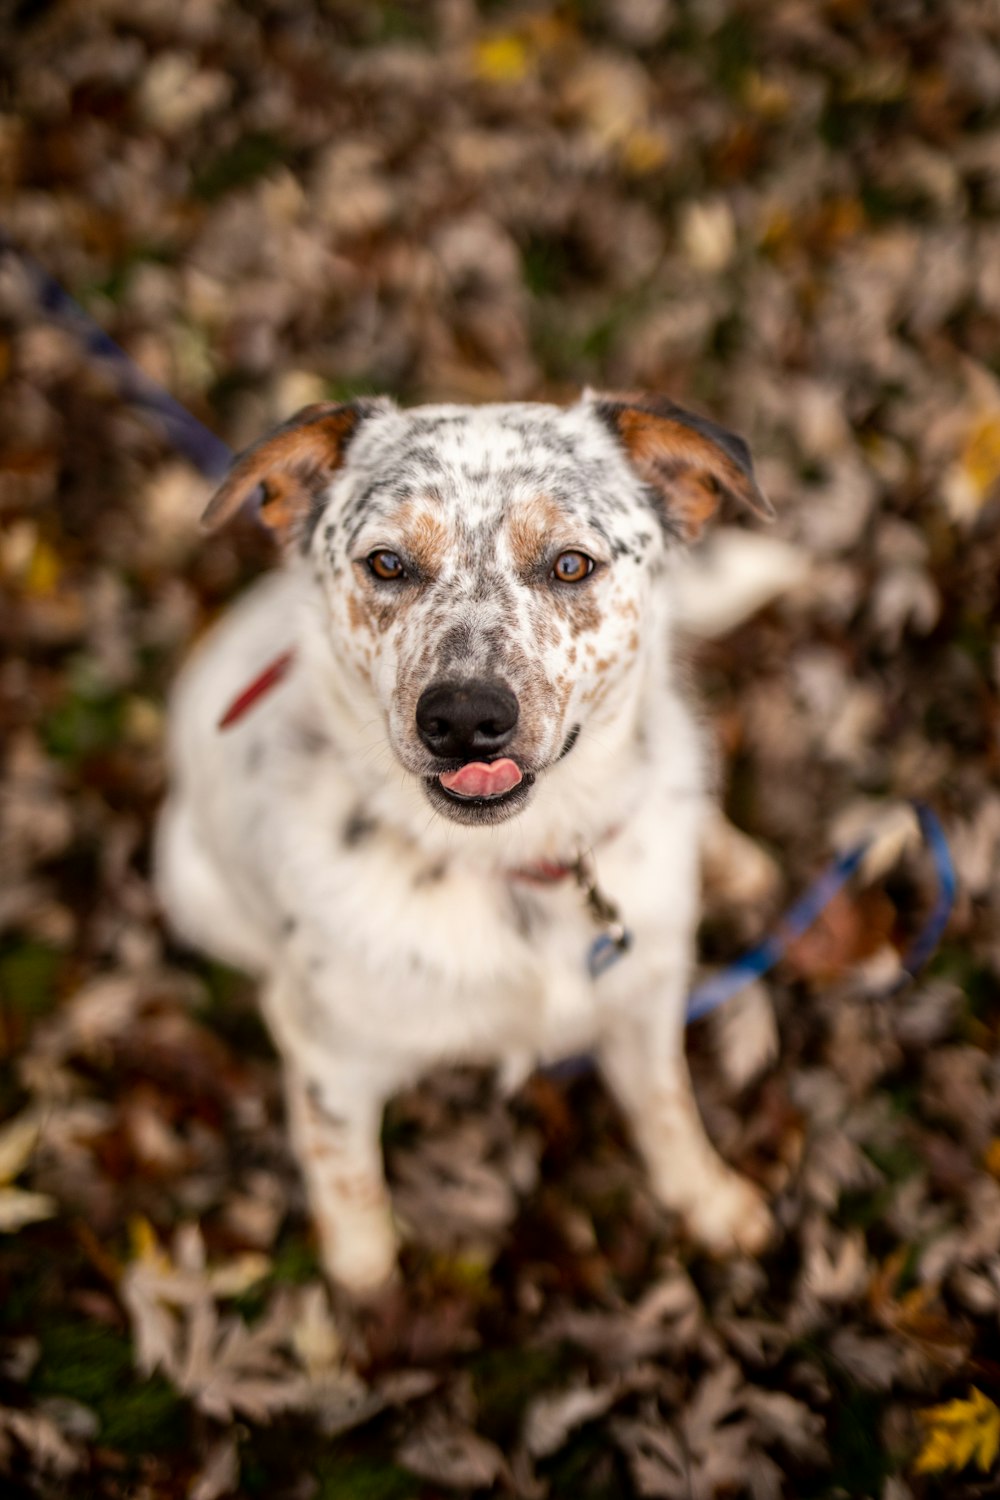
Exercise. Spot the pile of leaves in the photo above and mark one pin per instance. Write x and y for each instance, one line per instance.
(784, 214)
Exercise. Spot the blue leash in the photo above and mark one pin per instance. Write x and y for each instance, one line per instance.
(208, 453)
(719, 988)
(801, 915)
(211, 456)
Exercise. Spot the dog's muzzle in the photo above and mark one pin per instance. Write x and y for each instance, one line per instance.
(466, 725)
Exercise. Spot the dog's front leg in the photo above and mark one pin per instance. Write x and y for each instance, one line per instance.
(335, 1121)
(641, 1054)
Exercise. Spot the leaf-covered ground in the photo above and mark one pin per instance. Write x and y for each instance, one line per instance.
(783, 213)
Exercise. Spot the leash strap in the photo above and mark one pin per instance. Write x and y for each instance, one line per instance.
(927, 939)
(801, 915)
(722, 986)
(198, 443)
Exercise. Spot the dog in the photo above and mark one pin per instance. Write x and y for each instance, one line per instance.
(423, 771)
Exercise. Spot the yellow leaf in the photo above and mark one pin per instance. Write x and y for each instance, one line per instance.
(959, 1432)
(43, 570)
(767, 97)
(979, 461)
(503, 58)
(991, 1157)
(145, 1245)
(644, 151)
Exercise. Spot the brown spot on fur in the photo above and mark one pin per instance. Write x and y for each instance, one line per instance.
(577, 603)
(424, 534)
(357, 614)
(530, 529)
(365, 1191)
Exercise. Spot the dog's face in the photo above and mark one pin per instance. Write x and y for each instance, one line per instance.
(489, 575)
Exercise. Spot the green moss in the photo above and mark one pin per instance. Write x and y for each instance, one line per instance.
(28, 977)
(93, 1364)
(865, 1210)
(252, 157)
(355, 1469)
(731, 50)
(896, 1159)
(365, 1479)
(974, 978)
(505, 1381)
(294, 1262)
(231, 1010)
(351, 390)
(862, 1463)
(400, 22)
(585, 1470)
(84, 724)
(547, 266)
(116, 283)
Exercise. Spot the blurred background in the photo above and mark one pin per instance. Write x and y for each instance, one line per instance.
(783, 214)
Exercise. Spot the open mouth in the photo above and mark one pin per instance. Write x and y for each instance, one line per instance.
(482, 790)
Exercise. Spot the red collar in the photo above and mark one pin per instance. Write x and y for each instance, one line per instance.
(262, 683)
(550, 872)
(545, 872)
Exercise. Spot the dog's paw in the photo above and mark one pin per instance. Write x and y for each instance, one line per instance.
(361, 1259)
(730, 1216)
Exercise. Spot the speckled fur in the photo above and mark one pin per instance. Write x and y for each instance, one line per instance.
(301, 844)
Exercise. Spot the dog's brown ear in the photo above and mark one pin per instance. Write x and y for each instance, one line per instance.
(687, 460)
(293, 464)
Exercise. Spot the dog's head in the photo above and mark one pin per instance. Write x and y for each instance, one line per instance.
(491, 576)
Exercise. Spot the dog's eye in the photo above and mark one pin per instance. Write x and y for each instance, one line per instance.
(572, 567)
(387, 566)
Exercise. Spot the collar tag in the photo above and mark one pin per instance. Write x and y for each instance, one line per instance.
(614, 938)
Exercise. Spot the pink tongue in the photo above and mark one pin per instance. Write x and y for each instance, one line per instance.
(481, 780)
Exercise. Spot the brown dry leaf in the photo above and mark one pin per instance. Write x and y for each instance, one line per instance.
(851, 928)
(451, 1455)
(917, 1316)
(702, 1455)
(781, 1420)
(553, 1416)
(655, 1457)
(50, 1454)
(220, 1473)
(19, 1207)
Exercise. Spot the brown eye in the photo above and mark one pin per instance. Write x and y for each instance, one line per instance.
(572, 567)
(387, 566)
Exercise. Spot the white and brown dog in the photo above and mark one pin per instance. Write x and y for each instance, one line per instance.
(471, 682)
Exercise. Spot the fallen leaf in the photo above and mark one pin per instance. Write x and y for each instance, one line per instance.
(960, 1433)
(449, 1454)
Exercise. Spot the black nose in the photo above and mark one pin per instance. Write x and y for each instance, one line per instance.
(464, 720)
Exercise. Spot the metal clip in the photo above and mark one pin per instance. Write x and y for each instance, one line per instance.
(602, 909)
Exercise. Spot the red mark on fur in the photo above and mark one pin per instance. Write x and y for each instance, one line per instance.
(482, 779)
(545, 872)
(269, 678)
